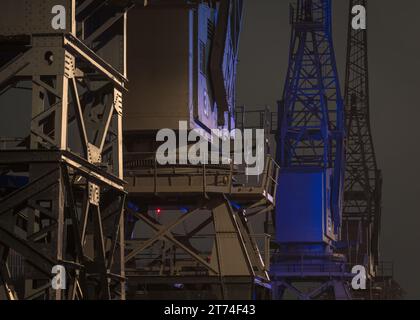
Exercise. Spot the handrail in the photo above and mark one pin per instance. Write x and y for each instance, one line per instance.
(144, 164)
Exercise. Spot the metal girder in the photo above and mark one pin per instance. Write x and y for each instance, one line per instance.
(5, 275)
(82, 259)
(233, 252)
(83, 166)
(333, 289)
(40, 261)
(78, 48)
(163, 232)
(71, 210)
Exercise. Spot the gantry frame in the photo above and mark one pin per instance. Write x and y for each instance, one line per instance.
(201, 244)
(69, 208)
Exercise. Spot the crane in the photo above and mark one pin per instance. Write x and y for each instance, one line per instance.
(310, 151)
(363, 179)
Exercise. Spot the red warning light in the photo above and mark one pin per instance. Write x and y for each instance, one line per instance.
(158, 211)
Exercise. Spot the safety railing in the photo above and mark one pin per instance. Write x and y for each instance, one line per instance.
(15, 263)
(324, 269)
(143, 169)
(12, 143)
(262, 118)
(385, 269)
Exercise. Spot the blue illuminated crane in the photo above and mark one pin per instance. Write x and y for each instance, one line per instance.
(310, 148)
(311, 136)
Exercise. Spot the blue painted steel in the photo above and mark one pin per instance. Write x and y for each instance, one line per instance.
(304, 211)
(312, 131)
(235, 205)
(133, 206)
(13, 182)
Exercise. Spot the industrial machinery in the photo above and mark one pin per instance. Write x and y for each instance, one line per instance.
(362, 195)
(363, 179)
(187, 232)
(310, 152)
(202, 37)
(85, 201)
(61, 205)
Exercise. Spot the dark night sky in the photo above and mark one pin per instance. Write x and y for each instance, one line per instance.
(394, 32)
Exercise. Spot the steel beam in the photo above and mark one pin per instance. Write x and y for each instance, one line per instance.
(70, 212)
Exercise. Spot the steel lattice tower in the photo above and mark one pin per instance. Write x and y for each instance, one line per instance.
(311, 155)
(66, 201)
(311, 121)
(363, 180)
